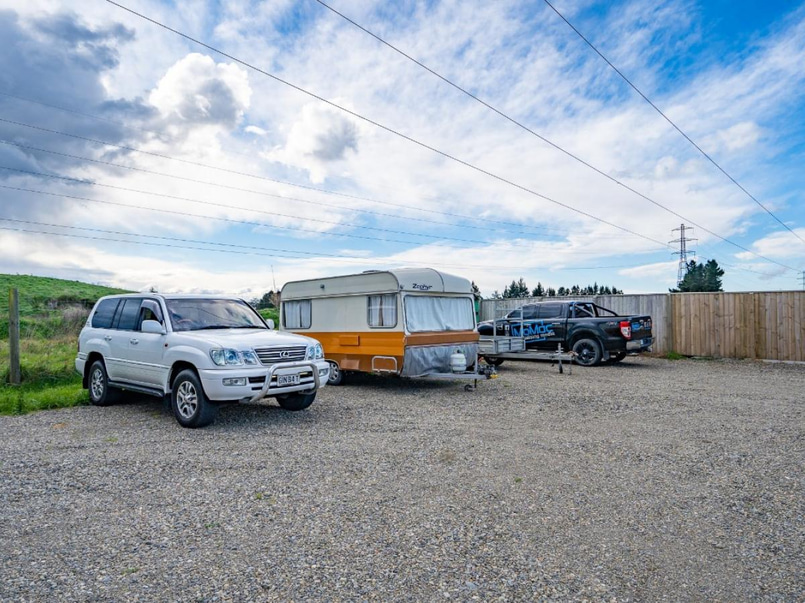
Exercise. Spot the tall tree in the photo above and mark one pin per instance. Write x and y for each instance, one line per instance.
(701, 277)
(538, 291)
(712, 276)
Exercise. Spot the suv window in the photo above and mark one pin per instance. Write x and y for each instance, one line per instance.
(150, 310)
(127, 316)
(104, 313)
(551, 311)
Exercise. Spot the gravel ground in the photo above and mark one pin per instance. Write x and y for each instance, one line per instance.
(647, 480)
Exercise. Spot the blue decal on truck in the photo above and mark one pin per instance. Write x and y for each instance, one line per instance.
(533, 331)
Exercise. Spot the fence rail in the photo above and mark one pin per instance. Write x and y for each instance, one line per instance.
(767, 324)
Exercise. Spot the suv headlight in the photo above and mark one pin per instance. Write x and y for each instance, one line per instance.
(230, 357)
(314, 352)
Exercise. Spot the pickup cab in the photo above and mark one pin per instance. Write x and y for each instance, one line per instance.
(593, 332)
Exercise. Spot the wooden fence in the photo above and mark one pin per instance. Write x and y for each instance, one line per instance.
(769, 325)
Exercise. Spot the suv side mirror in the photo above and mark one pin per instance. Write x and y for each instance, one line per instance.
(152, 326)
(270, 323)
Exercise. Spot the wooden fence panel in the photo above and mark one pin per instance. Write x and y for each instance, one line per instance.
(769, 324)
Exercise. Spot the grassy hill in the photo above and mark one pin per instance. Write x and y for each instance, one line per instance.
(42, 295)
(52, 312)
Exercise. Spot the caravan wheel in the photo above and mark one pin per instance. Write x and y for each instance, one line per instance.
(336, 375)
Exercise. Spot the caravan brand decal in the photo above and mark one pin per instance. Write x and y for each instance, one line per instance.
(533, 331)
(422, 287)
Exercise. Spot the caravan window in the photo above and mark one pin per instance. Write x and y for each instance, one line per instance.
(296, 314)
(382, 310)
(431, 313)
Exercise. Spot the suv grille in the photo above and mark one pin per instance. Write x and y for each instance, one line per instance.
(276, 355)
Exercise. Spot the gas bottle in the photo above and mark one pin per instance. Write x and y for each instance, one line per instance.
(458, 362)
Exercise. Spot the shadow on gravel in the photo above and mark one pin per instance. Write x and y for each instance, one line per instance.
(392, 382)
(525, 364)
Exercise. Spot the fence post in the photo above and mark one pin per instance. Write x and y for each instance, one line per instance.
(14, 336)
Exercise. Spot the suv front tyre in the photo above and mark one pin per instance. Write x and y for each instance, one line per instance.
(295, 401)
(100, 394)
(190, 405)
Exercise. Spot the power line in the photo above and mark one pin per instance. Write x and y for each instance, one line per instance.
(192, 215)
(224, 247)
(246, 222)
(536, 134)
(227, 206)
(415, 141)
(234, 172)
(283, 197)
(668, 119)
(385, 128)
(253, 249)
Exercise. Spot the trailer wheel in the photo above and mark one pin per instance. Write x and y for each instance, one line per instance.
(336, 374)
(493, 361)
(588, 352)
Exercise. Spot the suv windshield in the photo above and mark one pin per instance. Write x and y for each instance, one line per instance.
(199, 314)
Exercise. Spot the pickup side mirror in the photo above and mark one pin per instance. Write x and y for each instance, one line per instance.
(152, 326)
(270, 323)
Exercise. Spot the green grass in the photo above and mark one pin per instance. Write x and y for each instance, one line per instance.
(49, 379)
(49, 307)
(674, 355)
(52, 312)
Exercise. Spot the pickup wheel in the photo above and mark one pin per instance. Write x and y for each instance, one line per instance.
(100, 394)
(588, 352)
(296, 401)
(189, 402)
(616, 357)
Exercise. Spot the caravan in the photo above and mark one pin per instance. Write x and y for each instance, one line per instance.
(407, 321)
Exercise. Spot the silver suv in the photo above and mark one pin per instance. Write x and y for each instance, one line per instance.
(199, 350)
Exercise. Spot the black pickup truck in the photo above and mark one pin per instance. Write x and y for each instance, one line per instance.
(594, 333)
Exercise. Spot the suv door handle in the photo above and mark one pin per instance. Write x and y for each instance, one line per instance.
(134, 341)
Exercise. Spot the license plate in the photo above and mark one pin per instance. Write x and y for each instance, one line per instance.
(287, 380)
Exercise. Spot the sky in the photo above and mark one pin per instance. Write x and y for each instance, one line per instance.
(133, 157)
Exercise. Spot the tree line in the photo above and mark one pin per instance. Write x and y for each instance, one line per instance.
(519, 288)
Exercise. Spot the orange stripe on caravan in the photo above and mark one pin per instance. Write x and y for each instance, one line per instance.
(442, 338)
(374, 343)
(356, 351)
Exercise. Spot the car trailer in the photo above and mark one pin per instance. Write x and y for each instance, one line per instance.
(476, 374)
(497, 348)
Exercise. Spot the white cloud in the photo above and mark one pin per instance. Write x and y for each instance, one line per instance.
(319, 138)
(218, 114)
(778, 245)
(198, 90)
(740, 136)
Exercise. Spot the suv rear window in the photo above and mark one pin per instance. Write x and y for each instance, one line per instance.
(104, 313)
(129, 314)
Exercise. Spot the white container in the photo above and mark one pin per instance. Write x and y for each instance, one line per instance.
(458, 362)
